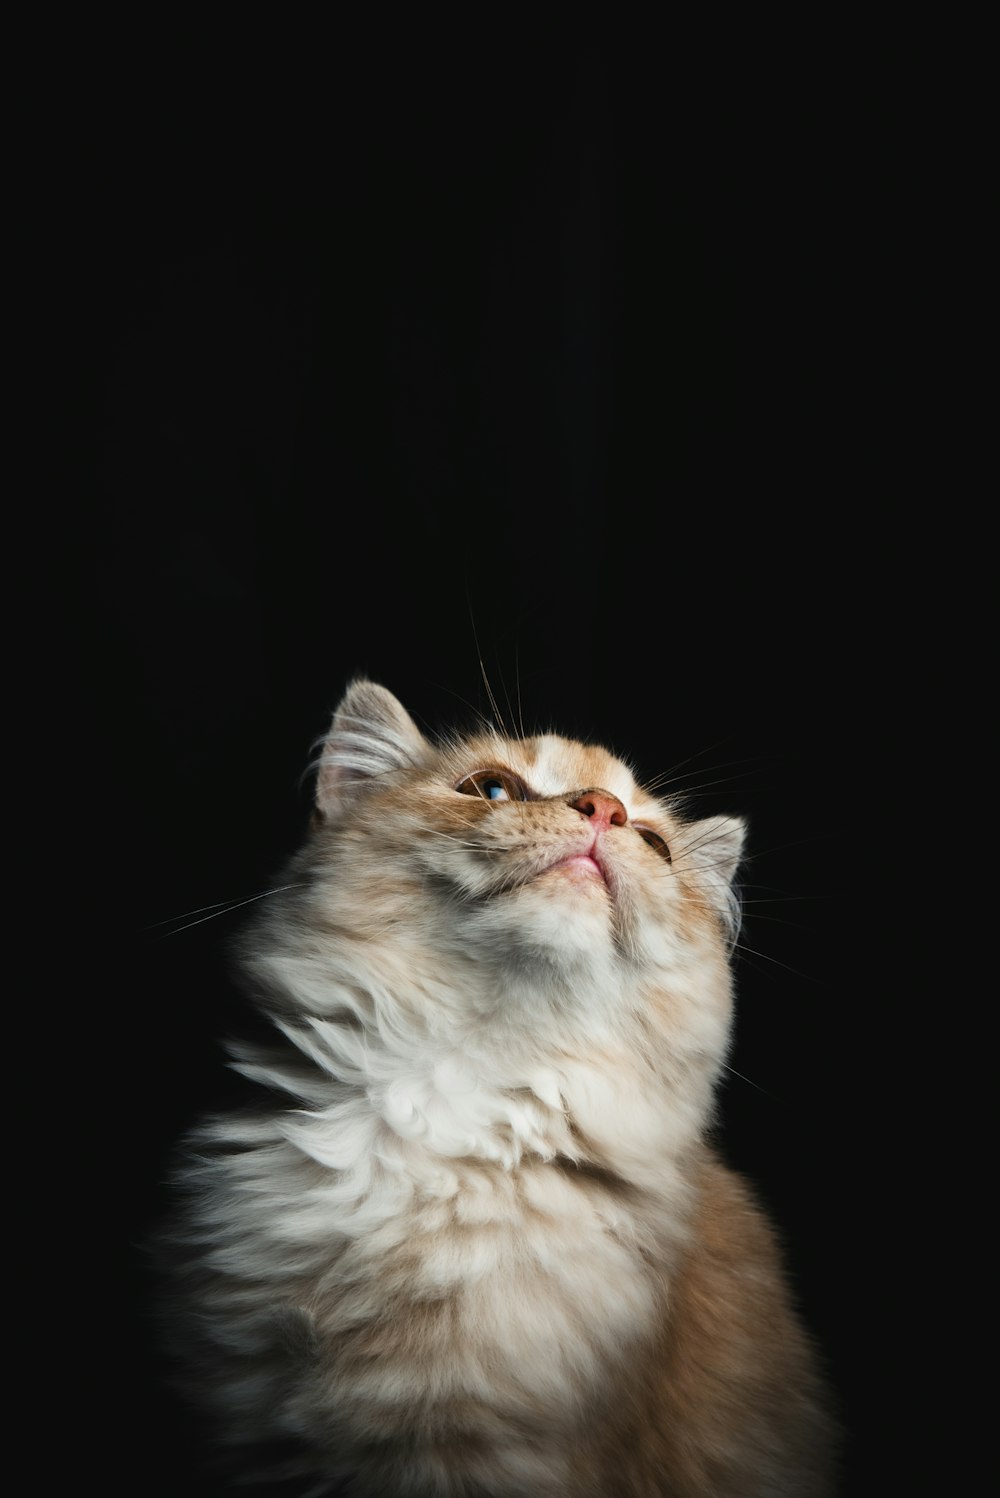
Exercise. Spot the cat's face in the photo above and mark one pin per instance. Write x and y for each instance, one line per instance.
(550, 850)
(536, 872)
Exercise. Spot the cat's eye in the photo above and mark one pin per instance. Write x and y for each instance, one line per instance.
(655, 841)
(494, 785)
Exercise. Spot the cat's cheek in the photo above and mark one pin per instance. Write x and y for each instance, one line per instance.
(471, 875)
(659, 941)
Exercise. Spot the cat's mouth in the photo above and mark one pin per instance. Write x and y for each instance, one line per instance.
(583, 864)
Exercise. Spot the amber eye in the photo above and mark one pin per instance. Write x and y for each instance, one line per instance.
(493, 785)
(655, 841)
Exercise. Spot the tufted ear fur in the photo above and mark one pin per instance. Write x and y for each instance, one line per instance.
(714, 845)
(371, 734)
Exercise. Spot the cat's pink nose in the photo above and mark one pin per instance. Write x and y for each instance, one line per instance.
(605, 810)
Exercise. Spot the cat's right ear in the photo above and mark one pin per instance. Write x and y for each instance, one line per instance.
(371, 733)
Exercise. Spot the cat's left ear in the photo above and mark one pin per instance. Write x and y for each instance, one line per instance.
(714, 846)
(371, 734)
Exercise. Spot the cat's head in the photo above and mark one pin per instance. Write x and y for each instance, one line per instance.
(528, 878)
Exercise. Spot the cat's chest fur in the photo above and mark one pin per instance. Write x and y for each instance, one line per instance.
(433, 1188)
(524, 1284)
(493, 1301)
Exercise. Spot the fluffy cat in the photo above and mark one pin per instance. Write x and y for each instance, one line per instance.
(475, 1240)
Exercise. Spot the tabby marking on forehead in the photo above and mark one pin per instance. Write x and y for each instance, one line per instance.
(557, 766)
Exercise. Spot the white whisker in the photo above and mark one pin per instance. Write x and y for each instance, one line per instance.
(216, 911)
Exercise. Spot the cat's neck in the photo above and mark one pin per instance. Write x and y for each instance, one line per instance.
(438, 1059)
(424, 1108)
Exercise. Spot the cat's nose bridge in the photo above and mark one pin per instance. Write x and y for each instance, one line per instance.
(604, 809)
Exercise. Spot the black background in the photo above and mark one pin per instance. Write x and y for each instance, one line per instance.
(600, 364)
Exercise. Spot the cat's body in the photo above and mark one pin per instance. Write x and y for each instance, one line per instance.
(475, 1240)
